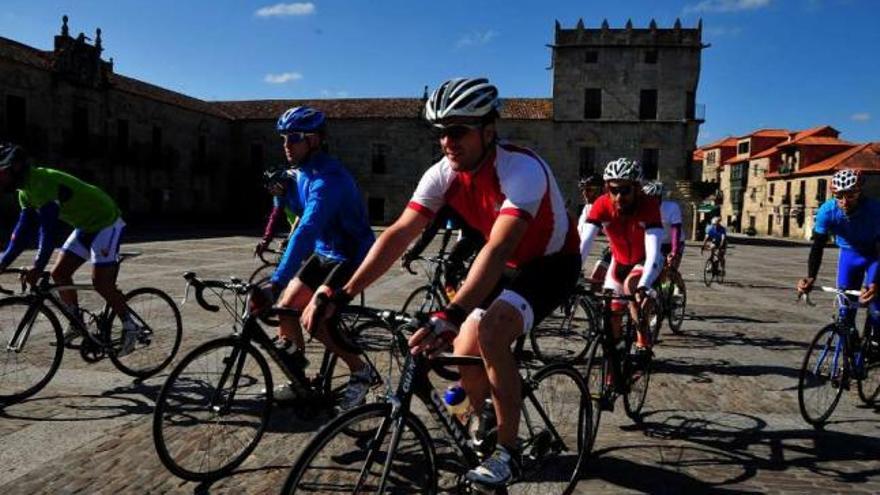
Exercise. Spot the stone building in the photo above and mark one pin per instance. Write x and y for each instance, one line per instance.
(616, 92)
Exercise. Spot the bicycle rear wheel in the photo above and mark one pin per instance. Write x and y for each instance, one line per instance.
(555, 431)
(563, 337)
(212, 410)
(677, 303)
(823, 376)
(32, 348)
(159, 333)
(424, 299)
(869, 382)
(350, 454)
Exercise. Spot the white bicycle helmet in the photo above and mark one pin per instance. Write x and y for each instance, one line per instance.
(846, 180)
(468, 98)
(654, 188)
(623, 169)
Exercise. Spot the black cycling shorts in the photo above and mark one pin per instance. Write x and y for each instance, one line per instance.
(318, 271)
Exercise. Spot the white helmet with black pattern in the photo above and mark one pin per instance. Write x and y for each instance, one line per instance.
(623, 169)
(846, 180)
(466, 98)
(654, 188)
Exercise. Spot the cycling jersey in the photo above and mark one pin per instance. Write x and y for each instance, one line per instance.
(582, 228)
(716, 233)
(81, 205)
(334, 220)
(47, 195)
(626, 232)
(670, 214)
(859, 231)
(510, 181)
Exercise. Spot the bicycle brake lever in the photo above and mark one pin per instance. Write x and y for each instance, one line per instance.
(186, 293)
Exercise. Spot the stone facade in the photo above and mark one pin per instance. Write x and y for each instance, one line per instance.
(616, 92)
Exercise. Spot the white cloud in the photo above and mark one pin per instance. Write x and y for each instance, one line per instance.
(284, 77)
(286, 9)
(726, 5)
(327, 93)
(476, 38)
(861, 117)
(718, 31)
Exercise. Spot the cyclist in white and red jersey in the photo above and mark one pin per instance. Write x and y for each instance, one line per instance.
(509, 194)
(591, 188)
(632, 222)
(672, 244)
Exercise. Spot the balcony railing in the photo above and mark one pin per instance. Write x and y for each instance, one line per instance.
(799, 199)
(786, 200)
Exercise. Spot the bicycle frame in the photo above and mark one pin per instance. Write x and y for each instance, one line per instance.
(609, 343)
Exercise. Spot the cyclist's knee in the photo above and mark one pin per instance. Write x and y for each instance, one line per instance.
(500, 326)
(467, 342)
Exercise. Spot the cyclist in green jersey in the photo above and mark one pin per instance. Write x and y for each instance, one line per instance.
(46, 196)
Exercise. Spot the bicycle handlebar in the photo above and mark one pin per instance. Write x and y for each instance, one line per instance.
(192, 280)
(834, 290)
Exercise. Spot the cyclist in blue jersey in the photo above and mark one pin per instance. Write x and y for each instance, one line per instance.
(330, 241)
(854, 220)
(281, 184)
(716, 234)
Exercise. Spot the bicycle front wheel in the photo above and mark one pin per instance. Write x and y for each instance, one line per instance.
(708, 273)
(32, 348)
(212, 410)
(555, 430)
(262, 274)
(869, 381)
(677, 303)
(823, 376)
(598, 371)
(563, 337)
(424, 300)
(159, 330)
(367, 451)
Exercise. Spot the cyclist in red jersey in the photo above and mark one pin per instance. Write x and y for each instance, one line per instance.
(632, 222)
(509, 194)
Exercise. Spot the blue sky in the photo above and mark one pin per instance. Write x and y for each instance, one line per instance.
(772, 63)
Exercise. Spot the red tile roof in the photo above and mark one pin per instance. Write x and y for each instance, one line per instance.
(364, 108)
(727, 142)
(698, 155)
(768, 152)
(147, 90)
(768, 133)
(24, 54)
(737, 159)
(864, 157)
(817, 141)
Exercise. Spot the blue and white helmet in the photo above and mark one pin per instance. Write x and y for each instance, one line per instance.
(466, 98)
(301, 119)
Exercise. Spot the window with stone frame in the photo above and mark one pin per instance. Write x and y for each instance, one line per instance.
(651, 56)
(821, 190)
(772, 190)
(591, 56)
(378, 161)
(16, 118)
(650, 163)
(593, 103)
(586, 161)
(648, 104)
(742, 148)
(376, 209)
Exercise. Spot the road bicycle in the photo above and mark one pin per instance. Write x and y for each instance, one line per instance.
(31, 333)
(838, 355)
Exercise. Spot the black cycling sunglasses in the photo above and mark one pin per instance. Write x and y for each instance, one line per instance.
(620, 190)
(455, 131)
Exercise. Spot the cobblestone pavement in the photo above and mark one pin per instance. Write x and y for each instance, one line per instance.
(721, 415)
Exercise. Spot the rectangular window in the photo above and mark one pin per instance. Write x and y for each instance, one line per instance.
(156, 145)
(752, 222)
(591, 56)
(122, 136)
(690, 105)
(202, 152)
(593, 103)
(650, 162)
(81, 131)
(256, 156)
(587, 161)
(772, 189)
(742, 148)
(651, 56)
(648, 104)
(822, 190)
(710, 158)
(378, 161)
(376, 209)
(16, 118)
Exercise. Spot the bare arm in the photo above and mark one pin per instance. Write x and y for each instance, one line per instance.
(507, 232)
(387, 249)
